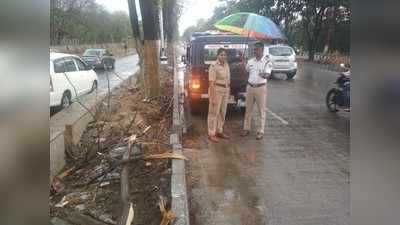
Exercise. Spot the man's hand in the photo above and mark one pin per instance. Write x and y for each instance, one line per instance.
(264, 75)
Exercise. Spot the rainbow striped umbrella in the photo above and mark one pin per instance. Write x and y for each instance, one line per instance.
(251, 25)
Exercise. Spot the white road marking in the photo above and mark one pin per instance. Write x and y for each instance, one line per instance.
(277, 117)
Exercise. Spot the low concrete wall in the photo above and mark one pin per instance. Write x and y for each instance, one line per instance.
(179, 204)
(57, 153)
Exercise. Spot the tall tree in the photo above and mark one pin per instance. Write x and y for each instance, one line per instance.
(137, 39)
(151, 35)
(171, 13)
(312, 18)
(87, 22)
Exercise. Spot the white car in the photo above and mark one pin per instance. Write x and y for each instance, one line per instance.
(69, 77)
(283, 59)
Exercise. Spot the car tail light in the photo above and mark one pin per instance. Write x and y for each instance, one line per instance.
(51, 85)
(195, 84)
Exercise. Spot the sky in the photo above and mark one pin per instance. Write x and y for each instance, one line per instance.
(193, 10)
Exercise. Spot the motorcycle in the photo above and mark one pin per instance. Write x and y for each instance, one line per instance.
(338, 98)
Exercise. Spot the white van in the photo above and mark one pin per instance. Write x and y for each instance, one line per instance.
(69, 77)
(283, 59)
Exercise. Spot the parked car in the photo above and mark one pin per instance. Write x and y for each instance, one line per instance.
(69, 77)
(283, 59)
(99, 58)
(200, 53)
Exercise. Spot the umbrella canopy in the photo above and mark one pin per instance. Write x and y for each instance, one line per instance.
(252, 25)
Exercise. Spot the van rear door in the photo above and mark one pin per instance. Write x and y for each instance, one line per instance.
(235, 51)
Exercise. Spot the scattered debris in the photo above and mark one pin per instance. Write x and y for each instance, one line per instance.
(92, 183)
(66, 173)
(145, 130)
(84, 196)
(100, 140)
(62, 203)
(117, 153)
(107, 219)
(80, 207)
(57, 186)
(103, 184)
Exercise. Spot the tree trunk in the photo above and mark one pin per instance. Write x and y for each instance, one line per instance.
(311, 50)
(151, 67)
(170, 52)
(138, 42)
(331, 28)
(151, 34)
(170, 13)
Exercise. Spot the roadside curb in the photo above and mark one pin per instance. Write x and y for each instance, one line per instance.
(179, 202)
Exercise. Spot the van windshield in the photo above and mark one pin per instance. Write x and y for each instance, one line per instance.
(234, 52)
(280, 51)
(92, 52)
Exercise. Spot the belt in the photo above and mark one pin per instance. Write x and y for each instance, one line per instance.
(256, 85)
(222, 85)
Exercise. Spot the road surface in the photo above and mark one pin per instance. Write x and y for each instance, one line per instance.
(297, 175)
(124, 67)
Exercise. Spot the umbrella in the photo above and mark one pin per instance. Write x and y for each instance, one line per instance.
(251, 25)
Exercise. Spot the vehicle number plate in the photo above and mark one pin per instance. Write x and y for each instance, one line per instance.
(204, 95)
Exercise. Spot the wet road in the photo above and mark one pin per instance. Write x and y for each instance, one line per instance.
(297, 175)
(124, 67)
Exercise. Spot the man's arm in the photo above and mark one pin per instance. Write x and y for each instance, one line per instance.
(266, 73)
(243, 70)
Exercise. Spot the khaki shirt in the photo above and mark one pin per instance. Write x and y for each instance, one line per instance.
(219, 73)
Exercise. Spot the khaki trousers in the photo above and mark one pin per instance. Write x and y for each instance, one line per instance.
(259, 96)
(217, 110)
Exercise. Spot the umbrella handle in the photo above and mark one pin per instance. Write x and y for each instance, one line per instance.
(247, 43)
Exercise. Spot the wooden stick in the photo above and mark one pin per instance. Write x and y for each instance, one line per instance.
(127, 215)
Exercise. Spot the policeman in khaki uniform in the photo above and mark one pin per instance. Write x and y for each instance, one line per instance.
(219, 88)
(258, 69)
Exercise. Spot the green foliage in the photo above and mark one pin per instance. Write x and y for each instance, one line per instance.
(87, 22)
(305, 23)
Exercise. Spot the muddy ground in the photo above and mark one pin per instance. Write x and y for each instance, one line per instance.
(90, 184)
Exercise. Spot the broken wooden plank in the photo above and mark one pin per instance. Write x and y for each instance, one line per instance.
(168, 155)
